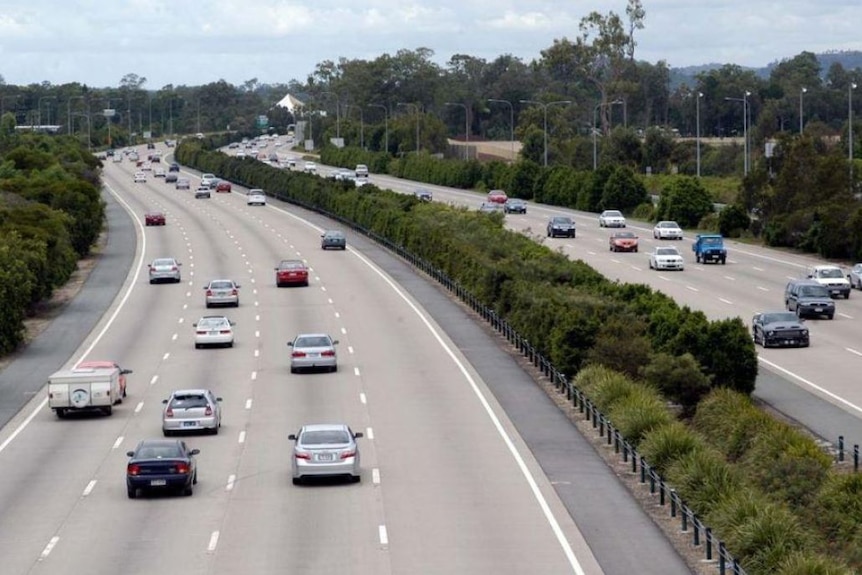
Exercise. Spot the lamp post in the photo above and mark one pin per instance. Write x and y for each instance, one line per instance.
(595, 128)
(416, 106)
(198, 130)
(801, 94)
(337, 113)
(545, 110)
(744, 101)
(511, 121)
(850, 88)
(466, 126)
(697, 106)
(87, 116)
(69, 111)
(361, 123)
(39, 114)
(385, 123)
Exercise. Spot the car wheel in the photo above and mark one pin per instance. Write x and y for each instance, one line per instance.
(355, 478)
(278, 285)
(152, 282)
(831, 316)
(209, 305)
(636, 250)
(333, 369)
(214, 430)
(723, 261)
(297, 480)
(195, 478)
(108, 410)
(132, 492)
(197, 346)
(293, 370)
(167, 433)
(236, 303)
(188, 490)
(61, 413)
(230, 344)
(847, 295)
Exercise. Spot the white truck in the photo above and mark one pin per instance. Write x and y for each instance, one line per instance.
(85, 389)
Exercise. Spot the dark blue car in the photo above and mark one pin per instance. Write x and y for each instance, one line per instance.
(161, 465)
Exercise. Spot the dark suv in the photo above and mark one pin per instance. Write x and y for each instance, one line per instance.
(808, 298)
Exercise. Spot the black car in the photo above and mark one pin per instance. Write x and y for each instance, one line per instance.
(333, 239)
(561, 226)
(808, 299)
(151, 146)
(160, 465)
(174, 167)
(779, 328)
(515, 206)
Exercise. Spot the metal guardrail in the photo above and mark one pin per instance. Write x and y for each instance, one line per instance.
(701, 535)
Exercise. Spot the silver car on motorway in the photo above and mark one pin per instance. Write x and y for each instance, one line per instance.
(325, 449)
(213, 330)
(191, 410)
(222, 292)
(165, 269)
(313, 351)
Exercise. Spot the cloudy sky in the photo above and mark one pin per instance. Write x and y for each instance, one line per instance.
(194, 42)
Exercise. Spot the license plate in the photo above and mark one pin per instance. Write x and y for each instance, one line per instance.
(213, 333)
(158, 482)
(324, 457)
(818, 310)
(190, 424)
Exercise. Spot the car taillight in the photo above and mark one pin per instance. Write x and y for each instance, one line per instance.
(169, 412)
(133, 469)
(233, 292)
(199, 332)
(298, 354)
(173, 268)
(348, 454)
(302, 455)
(327, 353)
(182, 468)
(208, 411)
(224, 331)
(209, 292)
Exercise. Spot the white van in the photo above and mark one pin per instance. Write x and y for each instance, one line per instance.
(85, 389)
(361, 171)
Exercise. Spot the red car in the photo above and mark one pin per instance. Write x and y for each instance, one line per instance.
(154, 219)
(223, 186)
(497, 196)
(623, 242)
(291, 272)
(100, 364)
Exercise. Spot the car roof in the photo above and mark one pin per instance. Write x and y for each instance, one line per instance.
(159, 442)
(325, 427)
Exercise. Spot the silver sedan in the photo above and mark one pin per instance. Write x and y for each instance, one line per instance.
(213, 330)
(191, 410)
(325, 449)
(855, 276)
(165, 269)
(313, 351)
(222, 292)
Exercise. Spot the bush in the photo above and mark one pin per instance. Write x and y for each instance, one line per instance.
(622, 344)
(668, 443)
(704, 479)
(638, 413)
(645, 212)
(733, 221)
(764, 539)
(730, 422)
(807, 563)
(686, 201)
(679, 378)
(605, 386)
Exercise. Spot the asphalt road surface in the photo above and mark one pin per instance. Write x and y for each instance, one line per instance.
(467, 466)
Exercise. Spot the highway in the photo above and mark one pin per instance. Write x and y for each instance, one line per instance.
(452, 482)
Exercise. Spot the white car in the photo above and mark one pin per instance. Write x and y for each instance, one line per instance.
(140, 178)
(612, 219)
(208, 181)
(665, 258)
(361, 171)
(855, 276)
(213, 330)
(256, 197)
(159, 173)
(311, 167)
(832, 278)
(667, 230)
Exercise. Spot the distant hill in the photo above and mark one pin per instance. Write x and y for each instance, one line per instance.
(850, 60)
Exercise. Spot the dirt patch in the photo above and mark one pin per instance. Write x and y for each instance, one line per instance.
(44, 312)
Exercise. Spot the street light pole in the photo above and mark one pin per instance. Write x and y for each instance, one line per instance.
(801, 94)
(595, 128)
(39, 112)
(337, 113)
(385, 123)
(406, 104)
(69, 111)
(850, 89)
(545, 110)
(511, 121)
(361, 122)
(466, 126)
(697, 106)
(744, 101)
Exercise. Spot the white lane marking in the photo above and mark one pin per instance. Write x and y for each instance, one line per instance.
(727, 301)
(188, 293)
(730, 278)
(329, 301)
(375, 476)
(356, 371)
(343, 331)
(166, 356)
(174, 337)
(256, 333)
(853, 351)
(844, 315)
(107, 325)
(257, 318)
(49, 547)
(384, 537)
(812, 385)
(257, 353)
(181, 320)
(256, 303)
(362, 398)
(757, 269)
(154, 379)
(692, 288)
(667, 279)
(323, 288)
(185, 306)
(139, 407)
(337, 315)
(637, 268)
(254, 291)
(213, 542)
(349, 349)
(241, 438)
(118, 442)
(248, 403)
(253, 375)
(252, 281)
(761, 288)
(369, 433)
(89, 488)
(230, 481)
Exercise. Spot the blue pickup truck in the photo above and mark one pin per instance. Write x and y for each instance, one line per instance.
(709, 248)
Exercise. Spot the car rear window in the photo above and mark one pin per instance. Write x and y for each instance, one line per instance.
(324, 437)
(188, 401)
(221, 285)
(291, 265)
(312, 342)
(158, 452)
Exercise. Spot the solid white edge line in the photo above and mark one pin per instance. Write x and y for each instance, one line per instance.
(384, 536)
(49, 547)
(107, 325)
(213, 542)
(812, 385)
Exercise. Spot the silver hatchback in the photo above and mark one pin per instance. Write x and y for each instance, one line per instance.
(313, 351)
(325, 449)
(191, 410)
(222, 292)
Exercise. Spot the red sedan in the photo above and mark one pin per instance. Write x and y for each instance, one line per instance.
(623, 242)
(101, 364)
(223, 186)
(497, 196)
(154, 219)
(291, 272)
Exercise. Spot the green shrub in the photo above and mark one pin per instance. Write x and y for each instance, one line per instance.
(644, 212)
(638, 413)
(622, 344)
(679, 378)
(837, 509)
(605, 386)
(730, 422)
(703, 479)
(763, 540)
(809, 563)
(668, 443)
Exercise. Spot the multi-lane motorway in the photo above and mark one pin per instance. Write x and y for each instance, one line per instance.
(467, 467)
